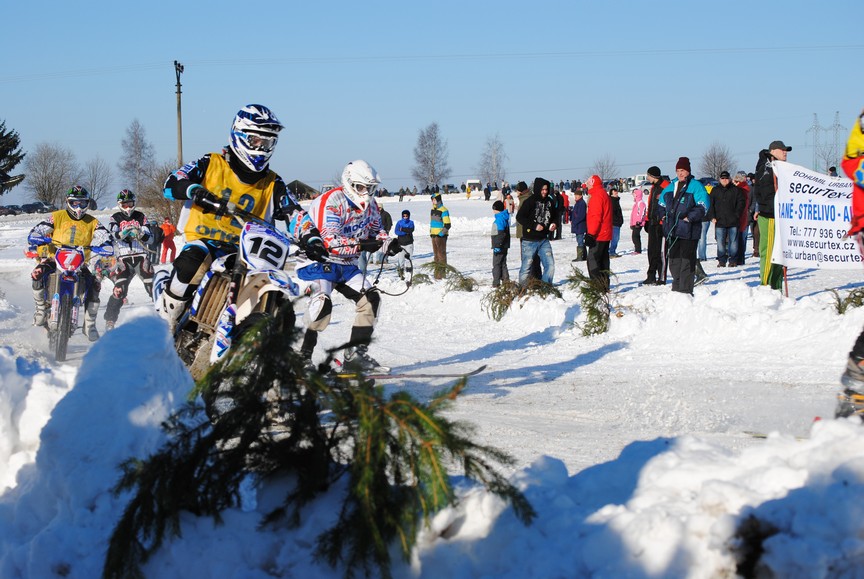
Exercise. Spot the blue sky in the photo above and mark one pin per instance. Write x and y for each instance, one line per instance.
(561, 83)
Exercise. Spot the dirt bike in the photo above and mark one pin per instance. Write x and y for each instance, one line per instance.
(244, 284)
(66, 291)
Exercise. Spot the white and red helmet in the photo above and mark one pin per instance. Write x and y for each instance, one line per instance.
(359, 182)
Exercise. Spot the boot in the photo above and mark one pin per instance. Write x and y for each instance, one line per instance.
(170, 309)
(90, 321)
(40, 315)
(359, 356)
(580, 254)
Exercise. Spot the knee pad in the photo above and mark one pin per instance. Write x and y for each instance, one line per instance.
(368, 308)
(318, 312)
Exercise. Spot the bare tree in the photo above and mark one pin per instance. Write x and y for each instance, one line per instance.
(716, 159)
(97, 178)
(604, 167)
(138, 160)
(150, 196)
(491, 167)
(430, 154)
(51, 171)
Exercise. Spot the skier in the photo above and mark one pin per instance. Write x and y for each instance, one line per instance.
(131, 233)
(349, 222)
(239, 174)
(69, 226)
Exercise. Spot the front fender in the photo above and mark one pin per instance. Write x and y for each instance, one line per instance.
(258, 284)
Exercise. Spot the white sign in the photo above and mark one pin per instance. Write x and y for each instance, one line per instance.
(812, 212)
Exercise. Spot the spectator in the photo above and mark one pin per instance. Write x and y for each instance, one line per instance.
(566, 212)
(439, 229)
(523, 193)
(656, 239)
(538, 217)
(740, 181)
(832, 172)
(559, 212)
(599, 231)
(853, 166)
(509, 204)
(617, 219)
(727, 206)
(578, 225)
(386, 225)
(685, 204)
(754, 207)
(404, 233)
(154, 246)
(769, 274)
(500, 243)
(168, 247)
(637, 220)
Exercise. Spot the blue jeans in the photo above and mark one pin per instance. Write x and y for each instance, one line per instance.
(727, 244)
(580, 239)
(702, 249)
(613, 245)
(543, 249)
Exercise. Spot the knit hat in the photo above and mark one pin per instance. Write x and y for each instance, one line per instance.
(498, 206)
(683, 163)
(437, 199)
(654, 171)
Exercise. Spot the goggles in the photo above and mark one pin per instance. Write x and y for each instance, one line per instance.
(127, 204)
(363, 188)
(258, 142)
(78, 203)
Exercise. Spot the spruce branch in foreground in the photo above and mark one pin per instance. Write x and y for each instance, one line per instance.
(596, 301)
(395, 452)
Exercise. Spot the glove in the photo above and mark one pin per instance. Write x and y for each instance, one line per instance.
(130, 232)
(204, 199)
(370, 245)
(590, 241)
(392, 247)
(315, 249)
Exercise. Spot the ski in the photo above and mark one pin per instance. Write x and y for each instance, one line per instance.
(405, 375)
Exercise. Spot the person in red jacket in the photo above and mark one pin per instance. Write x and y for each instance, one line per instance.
(853, 166)
(599, 235)
(740, 181)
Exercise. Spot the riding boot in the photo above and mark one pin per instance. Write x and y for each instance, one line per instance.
(40, 316)
(171, 309)
(90, 321)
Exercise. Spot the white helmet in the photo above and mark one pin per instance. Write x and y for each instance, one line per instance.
(359, 181)
(254, 134)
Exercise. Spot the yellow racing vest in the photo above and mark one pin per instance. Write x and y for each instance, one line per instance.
(222, 182)
(69, 231)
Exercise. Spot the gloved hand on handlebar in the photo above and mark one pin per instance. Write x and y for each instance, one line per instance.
(370, 245)
(314, 248)
(391, 247)
(204, 199)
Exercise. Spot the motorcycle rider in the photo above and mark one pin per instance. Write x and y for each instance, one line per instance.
(349, 222)
(69, 226)
(131, 233)
(239, 174)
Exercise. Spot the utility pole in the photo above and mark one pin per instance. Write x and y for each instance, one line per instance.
(178, 69)
(815, 129)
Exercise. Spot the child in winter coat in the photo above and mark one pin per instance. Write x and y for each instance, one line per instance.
(404, 232)
(637, 219)
(500, 243)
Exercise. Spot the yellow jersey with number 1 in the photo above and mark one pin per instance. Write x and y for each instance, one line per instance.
(220, 180)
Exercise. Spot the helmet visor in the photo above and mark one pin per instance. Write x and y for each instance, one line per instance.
(258, 142)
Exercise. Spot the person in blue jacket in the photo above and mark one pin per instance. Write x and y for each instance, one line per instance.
(404, 232)
(579, 223)
(684, 203)
(500, 243)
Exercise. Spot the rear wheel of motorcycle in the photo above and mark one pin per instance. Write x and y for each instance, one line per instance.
(64, 328)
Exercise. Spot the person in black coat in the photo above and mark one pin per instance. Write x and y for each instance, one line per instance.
(727, 205)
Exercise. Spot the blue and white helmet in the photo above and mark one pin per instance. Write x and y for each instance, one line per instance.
(254, 134)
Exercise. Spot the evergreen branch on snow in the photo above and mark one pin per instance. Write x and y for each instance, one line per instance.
(395, 452)
(499, 301)
(596, 300)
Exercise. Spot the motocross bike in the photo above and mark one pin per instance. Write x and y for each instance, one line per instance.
(245, 283)
(67, 292)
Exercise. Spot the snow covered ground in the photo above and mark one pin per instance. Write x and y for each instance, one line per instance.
(630, 445)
